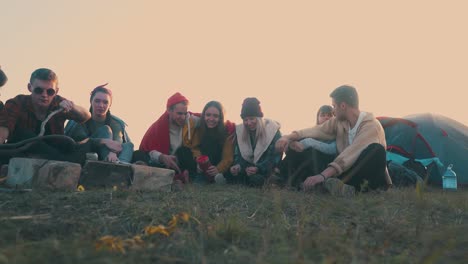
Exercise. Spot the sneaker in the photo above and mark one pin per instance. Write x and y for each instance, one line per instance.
(337, 188)
(91, 156)
(219, 179)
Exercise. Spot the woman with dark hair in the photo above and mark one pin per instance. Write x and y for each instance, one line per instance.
(213, 139)
(324, 113)
(103, 124)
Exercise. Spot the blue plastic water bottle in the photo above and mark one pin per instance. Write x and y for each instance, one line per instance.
(449, 179)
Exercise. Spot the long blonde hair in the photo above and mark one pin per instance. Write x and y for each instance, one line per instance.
(259, 131)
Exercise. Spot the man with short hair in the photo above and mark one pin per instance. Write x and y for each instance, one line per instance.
(360, 140)
(167, 142)
(23, 115)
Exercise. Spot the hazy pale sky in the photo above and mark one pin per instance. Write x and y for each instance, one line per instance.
(404, 57)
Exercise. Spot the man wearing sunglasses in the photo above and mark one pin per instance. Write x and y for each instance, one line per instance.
(22, 116)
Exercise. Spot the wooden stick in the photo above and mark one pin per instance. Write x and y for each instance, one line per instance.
(26, 217)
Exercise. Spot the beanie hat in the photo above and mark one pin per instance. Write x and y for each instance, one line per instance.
(251, 107)
(175, 99)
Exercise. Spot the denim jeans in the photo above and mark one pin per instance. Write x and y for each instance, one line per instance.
(105, 132)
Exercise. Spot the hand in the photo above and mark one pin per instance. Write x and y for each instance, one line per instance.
(251, 171)
(212, 171)
(170, 162)
(296, 146)
(112, 157)
(311, 181)
(4, 132)
(66, 105)
(235, 170)
(282, 144)
(112, 145)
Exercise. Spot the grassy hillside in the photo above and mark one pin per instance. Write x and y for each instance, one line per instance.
(232, 224)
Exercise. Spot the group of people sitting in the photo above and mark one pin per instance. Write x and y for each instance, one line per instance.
(343, 152)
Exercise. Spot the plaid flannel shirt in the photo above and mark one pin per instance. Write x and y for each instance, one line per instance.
(18, 113)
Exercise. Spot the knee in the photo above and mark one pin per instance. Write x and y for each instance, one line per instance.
(140, 156)
(128, 145)
(103, 132)
(376, 149)
(376, 152)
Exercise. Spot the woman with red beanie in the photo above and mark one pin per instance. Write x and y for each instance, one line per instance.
(254, 155)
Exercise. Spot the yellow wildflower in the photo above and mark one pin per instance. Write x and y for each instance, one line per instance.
(160, 229)
(134, 242)
(184, 216)
(116, 244)
(138, 240)
(80, 188)
(172, 223)
(110, 243)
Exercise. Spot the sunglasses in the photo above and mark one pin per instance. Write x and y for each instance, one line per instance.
(39, 90)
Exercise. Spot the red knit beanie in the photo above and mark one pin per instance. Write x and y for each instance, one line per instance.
(175, 99)
(251, 107)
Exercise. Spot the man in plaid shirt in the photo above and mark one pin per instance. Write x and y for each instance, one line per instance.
(22, 116)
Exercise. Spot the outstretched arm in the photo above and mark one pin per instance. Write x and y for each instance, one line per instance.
(75, 112)
(327, 148)
(282, 143)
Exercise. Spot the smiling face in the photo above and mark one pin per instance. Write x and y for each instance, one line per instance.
(100, 104)
(178, 114)
(211, 117)
(250, 122)
(42, 92)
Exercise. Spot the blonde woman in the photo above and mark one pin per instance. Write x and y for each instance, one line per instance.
(254, 155)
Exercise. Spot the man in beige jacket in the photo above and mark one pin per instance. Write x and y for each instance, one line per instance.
(360, 142)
